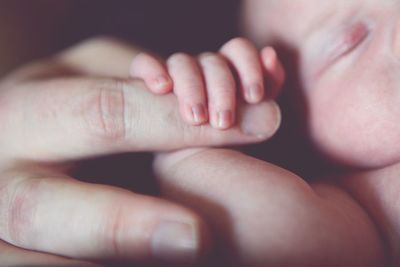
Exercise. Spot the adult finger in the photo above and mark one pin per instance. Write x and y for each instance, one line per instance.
(49, 213)
(100, 56)
(70, 118)
(96, 57)
(11, 256)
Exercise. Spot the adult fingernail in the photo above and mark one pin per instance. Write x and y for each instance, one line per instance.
(199, 114)
(224, 119)
(261, 120)
(175, 242)
(254, 94)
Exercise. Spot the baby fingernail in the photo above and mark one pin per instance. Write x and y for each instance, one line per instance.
(254, 94)
(161, 82)
(175, 242)
(199, 114)
(224, 119)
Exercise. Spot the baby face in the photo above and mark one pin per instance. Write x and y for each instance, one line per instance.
(349, 64)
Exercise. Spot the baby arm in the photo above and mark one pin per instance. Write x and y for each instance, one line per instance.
(267, 216)
(206, 85)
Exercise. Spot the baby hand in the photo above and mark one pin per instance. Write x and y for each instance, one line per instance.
(206, 85)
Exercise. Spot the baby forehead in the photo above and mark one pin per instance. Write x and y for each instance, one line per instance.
(316, 13)
(300, 16)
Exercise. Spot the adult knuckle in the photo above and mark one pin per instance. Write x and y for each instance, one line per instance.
(18, 207)
(113, 227)
(104, 110)
(110, 233)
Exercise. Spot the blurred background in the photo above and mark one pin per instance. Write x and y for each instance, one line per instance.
(34, 29)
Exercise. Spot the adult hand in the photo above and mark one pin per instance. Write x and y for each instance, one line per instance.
(78, 105)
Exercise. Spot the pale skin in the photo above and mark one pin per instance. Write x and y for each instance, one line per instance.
(77, 105)
(351, 90)
(281, 209)
(205, 84)
(320, 223)
(348, 57)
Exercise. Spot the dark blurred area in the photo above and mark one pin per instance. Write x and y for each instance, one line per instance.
(38, 28)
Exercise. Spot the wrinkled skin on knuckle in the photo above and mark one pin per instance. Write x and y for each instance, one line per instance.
(18, 202)
(123, 235)
(111, 231)
(103, 111)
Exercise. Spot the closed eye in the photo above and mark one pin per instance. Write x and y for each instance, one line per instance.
(352, 38)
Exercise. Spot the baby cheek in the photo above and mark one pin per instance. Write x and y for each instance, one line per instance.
(355, 127)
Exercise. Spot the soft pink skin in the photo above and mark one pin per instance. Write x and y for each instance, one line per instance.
(348, 55)
(276, 218)
(350, 90)
(205, 85)
(263, 215)
(275, 200)
(353, 103)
